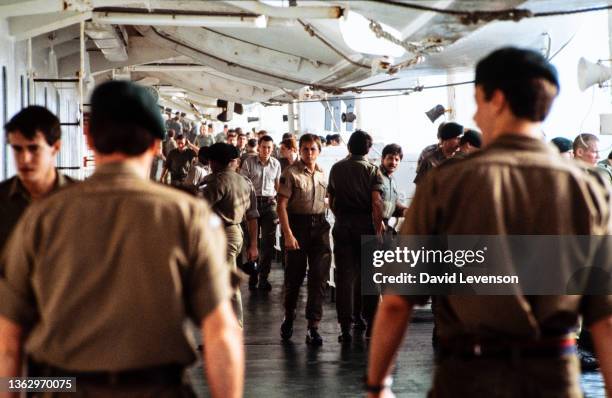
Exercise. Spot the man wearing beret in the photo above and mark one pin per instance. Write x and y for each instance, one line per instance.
(564, 145)
(512, 345)
(232, 198)
(100, 278)
(433, 155)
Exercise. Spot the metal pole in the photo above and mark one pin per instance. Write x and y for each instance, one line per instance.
(30, 73)
(291, 117)
(81, 75)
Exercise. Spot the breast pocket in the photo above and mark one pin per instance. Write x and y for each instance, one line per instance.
(321, 191)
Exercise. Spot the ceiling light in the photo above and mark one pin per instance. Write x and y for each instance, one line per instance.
(356, 32)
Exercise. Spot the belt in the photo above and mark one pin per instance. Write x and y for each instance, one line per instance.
(157, 375)
(307, 218)
(265, 199)
(545, 348)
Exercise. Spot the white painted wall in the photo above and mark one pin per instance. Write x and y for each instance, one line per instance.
(13, 56)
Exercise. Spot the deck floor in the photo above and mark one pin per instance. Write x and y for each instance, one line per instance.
(277, 369)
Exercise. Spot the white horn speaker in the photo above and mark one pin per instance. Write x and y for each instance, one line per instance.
(590, 74)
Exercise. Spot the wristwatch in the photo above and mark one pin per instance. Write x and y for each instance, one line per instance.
(387, 383)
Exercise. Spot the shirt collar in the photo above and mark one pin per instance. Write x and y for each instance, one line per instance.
(116, 169)
(521, 142)
(18, 189)
(306, 169)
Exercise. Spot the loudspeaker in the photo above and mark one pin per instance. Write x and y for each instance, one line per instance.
(590, 74)
(228, 110)
(348, 117)
(285, 118)
(434, 113)
(252, 119)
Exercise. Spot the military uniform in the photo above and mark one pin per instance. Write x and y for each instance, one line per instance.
(264, 177)
(178, 163)
(430, 157)
(232, 198)
(221, 137)
(494, 190)
(203, 140)
(606, 167)
(351, 183)
(128, 259)
(306, 193)
(14, 199)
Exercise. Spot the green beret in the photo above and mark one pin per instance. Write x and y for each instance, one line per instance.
(124, 102)
(222, 153)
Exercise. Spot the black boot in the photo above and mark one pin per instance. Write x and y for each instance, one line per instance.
(345, 334)
(313, 337)
(286, 329)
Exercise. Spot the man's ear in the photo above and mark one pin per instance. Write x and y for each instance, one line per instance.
(498, 100)
(57, 146)
(154, 148)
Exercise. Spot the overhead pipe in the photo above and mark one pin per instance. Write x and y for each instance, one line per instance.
(307, 12)
(157, 19)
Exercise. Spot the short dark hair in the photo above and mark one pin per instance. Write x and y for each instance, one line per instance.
(287, 135)
(583, 140)
(310, 138)
(242, 134)
(610, 155)
(210, 124)
(32, 120)
(225, 126)
(170, 133)
(335, 137)
(289, 143)
(252, 142)
(360, 143)
(124, 118)
(392, 149)
(265, 138)
(527, 80)
(183, 114)
(180, 137)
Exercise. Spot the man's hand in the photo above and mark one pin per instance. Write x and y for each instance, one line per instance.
(252, 253)
(291, 243)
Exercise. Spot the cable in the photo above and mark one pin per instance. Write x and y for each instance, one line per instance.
(562, 47)
(474, 17)
(308, 28)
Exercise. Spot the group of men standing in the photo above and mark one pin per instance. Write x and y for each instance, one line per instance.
(131, 260)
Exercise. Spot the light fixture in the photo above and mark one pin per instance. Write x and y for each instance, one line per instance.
(211, 21)
(356, 32)
(434, 113)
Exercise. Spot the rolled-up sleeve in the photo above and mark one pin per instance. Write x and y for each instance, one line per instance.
(252, 211)
(209, 279)
(17, 300)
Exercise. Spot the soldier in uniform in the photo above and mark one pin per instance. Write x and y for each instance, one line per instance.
(99, 278)
(564, 146)
(264, 172)
(205, 138)
(34, 135)
(392, 155)
(301, 210)
(232, 198)
(433, 155)
(355, 197)
(528, 352)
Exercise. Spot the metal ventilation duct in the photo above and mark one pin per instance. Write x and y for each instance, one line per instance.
(110, 39)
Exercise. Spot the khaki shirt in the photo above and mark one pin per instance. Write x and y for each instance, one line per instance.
(203, 140)
(305, 190)
(351, 183)
(231, 196)
(104, 273)
(263, 176)
(516, 186)
(14, 199)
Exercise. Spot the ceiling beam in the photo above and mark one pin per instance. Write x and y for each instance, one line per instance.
(140, 51)
(26, 27)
